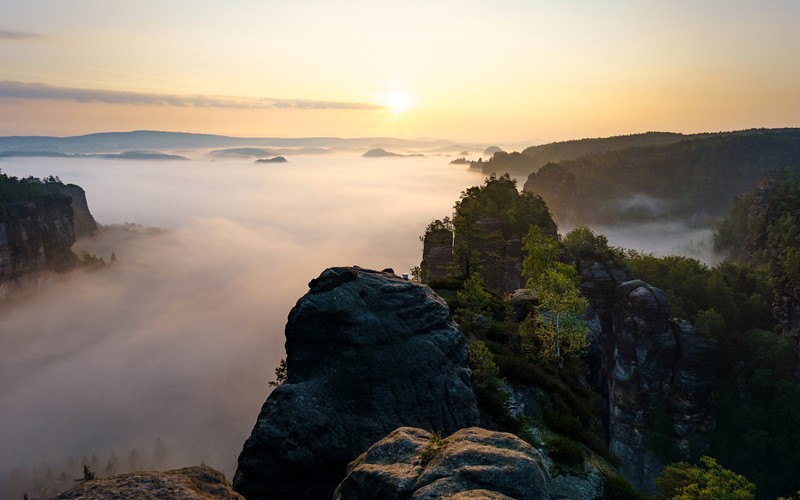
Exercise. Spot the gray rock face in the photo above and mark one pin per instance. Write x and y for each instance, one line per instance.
(437, 254)
(34, 237)
(367, 352)
(189, 483)
(83, 221)
(472, 463)
(654, 362)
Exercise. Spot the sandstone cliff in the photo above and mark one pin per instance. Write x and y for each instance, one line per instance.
(657, 377)
(367, 352)
(35, 236)
(82, 219)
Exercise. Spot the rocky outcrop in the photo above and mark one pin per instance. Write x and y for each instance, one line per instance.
(655, 365)
(472, 463)
(498, 257)
(189, 483)
(83, 221)
(366, 352)
(35, 236)
(437, 254)
(522, 303)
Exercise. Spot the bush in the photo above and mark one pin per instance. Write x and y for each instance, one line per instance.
(565, 451)
(619, 488)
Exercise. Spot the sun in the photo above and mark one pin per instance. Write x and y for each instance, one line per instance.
(398, 102)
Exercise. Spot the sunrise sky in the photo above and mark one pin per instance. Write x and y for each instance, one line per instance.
(502, 70)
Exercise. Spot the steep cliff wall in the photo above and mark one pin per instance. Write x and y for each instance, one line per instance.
(659, 376)
(82, 219)
(35, 236)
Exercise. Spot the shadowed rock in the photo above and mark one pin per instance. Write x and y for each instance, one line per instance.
(189, 483)
(655, 362)
(472, 463)
(367, 352)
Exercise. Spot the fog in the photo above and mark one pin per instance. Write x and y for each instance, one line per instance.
(179, 337)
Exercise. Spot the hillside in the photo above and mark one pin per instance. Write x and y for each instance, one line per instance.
(694, 179)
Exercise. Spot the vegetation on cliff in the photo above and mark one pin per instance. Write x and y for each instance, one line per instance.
(13, 188)
(734, 302)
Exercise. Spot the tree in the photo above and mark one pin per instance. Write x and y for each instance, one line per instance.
(683, 481)
(559, 327)
(474, 304)
(541, 252)
(280, 374)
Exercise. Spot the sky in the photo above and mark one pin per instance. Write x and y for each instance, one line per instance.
(506, 70)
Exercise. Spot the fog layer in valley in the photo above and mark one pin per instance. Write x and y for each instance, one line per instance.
(179, 337)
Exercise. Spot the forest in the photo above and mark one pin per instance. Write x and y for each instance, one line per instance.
(545, 347)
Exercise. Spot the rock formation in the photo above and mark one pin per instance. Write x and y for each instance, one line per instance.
(366, 352)
(35, 236)
(83, 221)
(472, 463)
(189, 483)
(437, 254)
(654, 364)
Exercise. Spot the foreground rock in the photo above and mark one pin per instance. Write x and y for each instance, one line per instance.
(472, 463)
(367, 352)
(189, 483)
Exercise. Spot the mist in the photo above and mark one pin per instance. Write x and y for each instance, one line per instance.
(178, 339)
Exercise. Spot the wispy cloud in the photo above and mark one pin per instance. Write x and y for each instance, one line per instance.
(10, 90)
(19, 35)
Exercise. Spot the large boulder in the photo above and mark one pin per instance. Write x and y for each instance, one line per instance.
(472, 463)
(189, 483)
(367, 352)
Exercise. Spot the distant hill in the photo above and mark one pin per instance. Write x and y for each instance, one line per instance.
(382, 153)
(460, 161)
(115, 142)
(260, 152)
(277, 159)
(125, 155)
(531, 158)
(379, 153)
(694, 179)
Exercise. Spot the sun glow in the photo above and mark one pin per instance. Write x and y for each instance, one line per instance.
(398, 102)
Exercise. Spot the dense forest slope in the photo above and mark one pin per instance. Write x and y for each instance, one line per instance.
(694, 179)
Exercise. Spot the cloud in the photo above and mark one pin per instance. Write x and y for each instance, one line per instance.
(19, 35)
(40, 91)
